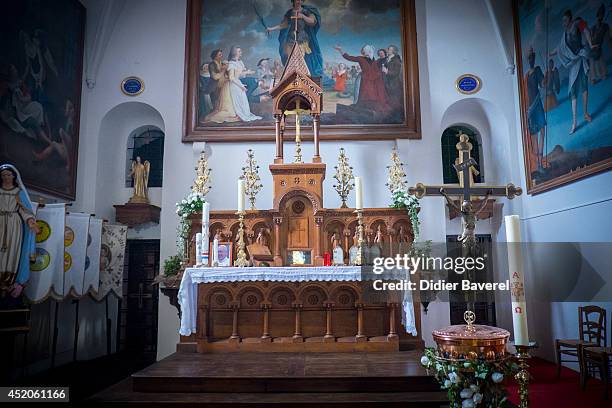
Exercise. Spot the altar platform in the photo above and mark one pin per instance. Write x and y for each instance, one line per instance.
(280, 379)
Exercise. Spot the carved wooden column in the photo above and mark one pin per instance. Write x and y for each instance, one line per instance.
(235, 337)
(278, 258)
(317, 257)
(203, 323)
(297, 335)
(390, 233)
(329, 337)
(360, 336)
(265, 337)
(279, 138)
(392, 330)
(316, 121)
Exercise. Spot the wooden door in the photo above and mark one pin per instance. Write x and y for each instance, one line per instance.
(140, 296)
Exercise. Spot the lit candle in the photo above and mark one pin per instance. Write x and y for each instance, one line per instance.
(240, 195)
(358, 194)
(517, 281)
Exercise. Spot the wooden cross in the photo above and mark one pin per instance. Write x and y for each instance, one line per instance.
(295, 17)
(465, 167)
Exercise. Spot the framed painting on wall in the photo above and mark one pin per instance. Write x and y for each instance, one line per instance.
(364, 55)
(563, 56)
(41, 63)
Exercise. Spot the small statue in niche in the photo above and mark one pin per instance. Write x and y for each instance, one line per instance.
(379, 238)
(337, 252)
(140, 175)
(402, 235)
(354, 249)
(261, 238)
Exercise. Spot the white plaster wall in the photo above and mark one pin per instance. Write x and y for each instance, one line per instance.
(148, 41)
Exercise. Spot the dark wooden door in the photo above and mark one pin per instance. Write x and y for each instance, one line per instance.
(139, 306)
(484, 302)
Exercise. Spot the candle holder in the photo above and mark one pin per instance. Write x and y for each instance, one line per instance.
(241, 258)
(359, 258)
(522, 376)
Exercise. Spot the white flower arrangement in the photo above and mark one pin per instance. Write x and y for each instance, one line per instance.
(401, 199)
(189, 205)
(470, 383)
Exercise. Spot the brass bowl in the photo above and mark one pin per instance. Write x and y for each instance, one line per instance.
(462, 341)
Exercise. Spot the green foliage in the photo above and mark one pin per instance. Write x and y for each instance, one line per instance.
(172, 265)
(471, 382)
(401, 199)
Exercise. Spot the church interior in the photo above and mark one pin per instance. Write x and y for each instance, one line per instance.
(343, 203)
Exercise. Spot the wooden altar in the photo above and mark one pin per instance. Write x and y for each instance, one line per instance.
(300, 316)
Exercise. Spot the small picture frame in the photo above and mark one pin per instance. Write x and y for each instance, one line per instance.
(226, 254)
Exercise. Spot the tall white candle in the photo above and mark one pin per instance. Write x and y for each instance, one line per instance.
(298, 137)
(205, 213)
(517, 281)
(358, 194)
(198, 245)
(215, 254)
(240, 195)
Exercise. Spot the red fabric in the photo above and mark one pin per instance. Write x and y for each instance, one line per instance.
(546, 391)
(372, 88)
(340, 85)
(581, 24)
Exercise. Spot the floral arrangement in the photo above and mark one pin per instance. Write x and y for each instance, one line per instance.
(471, 383)
(189, 205)
(401, 199)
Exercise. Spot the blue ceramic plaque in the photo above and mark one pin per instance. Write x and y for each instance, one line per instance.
(132, 86)
(468, 84)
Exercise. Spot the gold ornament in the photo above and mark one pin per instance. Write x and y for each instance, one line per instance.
(397, 177)
(344, 177)
(241, 258)
(360, 241)
(250, 175)
(201, 184)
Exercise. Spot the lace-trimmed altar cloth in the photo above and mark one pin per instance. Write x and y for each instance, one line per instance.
(187, 294)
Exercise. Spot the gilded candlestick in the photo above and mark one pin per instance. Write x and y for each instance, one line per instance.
(241, 258)
(344, 177)
(360, 241)
(522, 376)
(250, 175)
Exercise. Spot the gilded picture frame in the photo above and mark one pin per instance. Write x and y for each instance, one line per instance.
(196, 128)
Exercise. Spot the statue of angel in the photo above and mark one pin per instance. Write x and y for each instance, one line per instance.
(140, 175)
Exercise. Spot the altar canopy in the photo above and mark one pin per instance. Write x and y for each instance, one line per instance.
(187, 295)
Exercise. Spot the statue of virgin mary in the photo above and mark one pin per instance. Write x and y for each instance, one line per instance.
(17, 231)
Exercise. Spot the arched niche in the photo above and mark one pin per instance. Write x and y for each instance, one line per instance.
(146, 142)
(448, 142)
(488, 121)
(115, 128)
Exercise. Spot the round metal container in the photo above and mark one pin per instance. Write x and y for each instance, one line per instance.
(464, 341)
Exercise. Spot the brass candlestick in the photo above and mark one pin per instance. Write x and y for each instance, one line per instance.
(250, 175)
(241, 258)
(397, 176)
(344, 177)
(359, 258)
(523, 376)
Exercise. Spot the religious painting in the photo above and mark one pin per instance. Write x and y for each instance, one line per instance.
(362, 53)
(563, 53)
(41, 59)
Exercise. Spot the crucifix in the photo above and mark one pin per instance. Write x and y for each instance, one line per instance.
(465, 165)
(298, 137)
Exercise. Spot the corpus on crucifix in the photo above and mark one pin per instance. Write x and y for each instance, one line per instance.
(465, 165)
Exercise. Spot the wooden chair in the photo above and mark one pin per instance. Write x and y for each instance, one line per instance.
(596, 357)
(592, 330)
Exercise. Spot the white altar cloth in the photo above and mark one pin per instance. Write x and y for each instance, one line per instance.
(187, 294)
